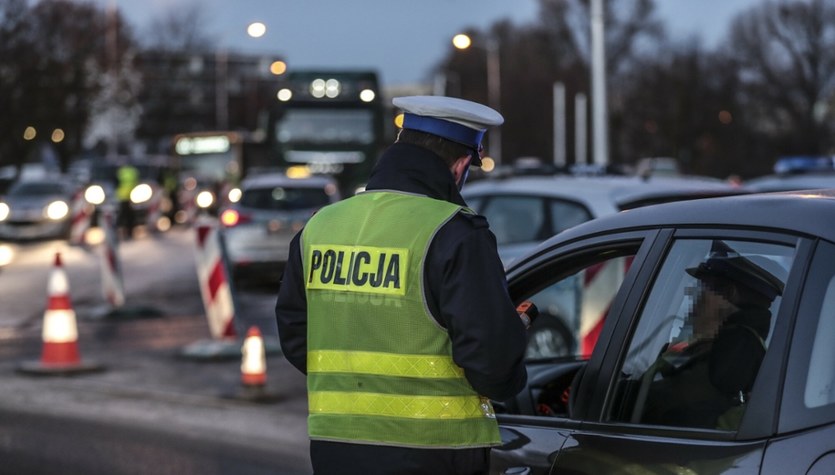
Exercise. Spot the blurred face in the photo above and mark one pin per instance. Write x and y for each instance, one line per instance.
(710, 309)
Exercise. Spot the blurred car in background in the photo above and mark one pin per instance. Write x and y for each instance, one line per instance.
(523, 211)
(797, 173)
(258, 228)
(37, 209)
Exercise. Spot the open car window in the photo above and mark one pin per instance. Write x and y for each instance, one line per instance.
(573, 308)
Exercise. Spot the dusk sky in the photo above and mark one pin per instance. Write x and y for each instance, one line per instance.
(401, 40)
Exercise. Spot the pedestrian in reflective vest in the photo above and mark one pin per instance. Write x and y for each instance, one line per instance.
(127, 177)
(394, 303)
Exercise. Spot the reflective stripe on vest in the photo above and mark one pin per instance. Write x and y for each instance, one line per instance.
(412, 407)
(412, 366)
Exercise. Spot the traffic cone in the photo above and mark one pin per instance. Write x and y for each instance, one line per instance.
(254, 362)
(253, 387)
(59, 354)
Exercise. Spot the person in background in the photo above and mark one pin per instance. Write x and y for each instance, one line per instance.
(127, 177)
(394, 303)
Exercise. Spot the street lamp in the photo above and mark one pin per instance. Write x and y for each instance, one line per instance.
(255, 29)
(491, 48)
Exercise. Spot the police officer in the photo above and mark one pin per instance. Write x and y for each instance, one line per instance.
(127, 177)
(394, 303)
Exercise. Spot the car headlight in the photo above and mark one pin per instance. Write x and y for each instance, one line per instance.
(234, 195)
(141, 193)
(94, 194)
(4, 211)
(205, 199)
(57, 210)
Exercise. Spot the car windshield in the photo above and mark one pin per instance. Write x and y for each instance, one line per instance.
(280, 198)
(37, 189)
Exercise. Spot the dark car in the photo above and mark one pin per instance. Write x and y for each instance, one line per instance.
(707, 350)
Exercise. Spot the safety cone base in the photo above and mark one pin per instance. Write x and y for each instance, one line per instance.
(212, 350)
(262, 394)
(39, 368)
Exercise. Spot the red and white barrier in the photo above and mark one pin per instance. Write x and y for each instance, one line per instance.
(60, 352)
(600, 284)
(113, 287)
(215, 285)
(81, 217)
(154, 210)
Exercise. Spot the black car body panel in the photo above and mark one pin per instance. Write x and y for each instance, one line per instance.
(571, 420)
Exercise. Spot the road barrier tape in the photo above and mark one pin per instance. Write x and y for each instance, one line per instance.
(213, 275)
(600, 285)
(81, 217)
(113, 287)
(154, 210)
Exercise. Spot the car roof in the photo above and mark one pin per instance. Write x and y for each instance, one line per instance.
(280, 179)
(624, 192)
(797, 212)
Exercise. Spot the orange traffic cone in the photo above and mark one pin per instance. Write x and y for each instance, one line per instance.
(253, 387)
(254, 362)
(59, 353)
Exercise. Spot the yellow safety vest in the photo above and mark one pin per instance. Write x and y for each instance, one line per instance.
(380, 368)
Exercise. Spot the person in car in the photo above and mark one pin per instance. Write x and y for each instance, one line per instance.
(705, 381)
(394, 303)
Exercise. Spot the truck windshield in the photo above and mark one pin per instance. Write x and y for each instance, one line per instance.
(326, 126)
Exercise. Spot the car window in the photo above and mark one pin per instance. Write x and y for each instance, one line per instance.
(514, 219)
(573, 308)
(524, 219)
(284, 199)
(565, 214)
(702, 333)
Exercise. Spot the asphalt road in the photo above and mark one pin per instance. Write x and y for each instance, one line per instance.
(154, 405)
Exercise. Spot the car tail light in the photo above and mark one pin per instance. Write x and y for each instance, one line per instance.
(231, 217)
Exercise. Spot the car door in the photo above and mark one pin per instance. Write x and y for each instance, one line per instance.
(576, 287)
(672, 394)
(807, 414)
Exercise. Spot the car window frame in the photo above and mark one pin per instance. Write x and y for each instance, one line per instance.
(760, 418)
(536, 268)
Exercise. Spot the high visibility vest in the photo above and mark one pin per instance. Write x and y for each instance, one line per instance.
(379, 367)
(128, 178)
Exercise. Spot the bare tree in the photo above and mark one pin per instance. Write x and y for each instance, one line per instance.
(786, 57)
(180, 29)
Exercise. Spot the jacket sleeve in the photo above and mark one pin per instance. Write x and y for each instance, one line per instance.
(291, 309)
(465, 279)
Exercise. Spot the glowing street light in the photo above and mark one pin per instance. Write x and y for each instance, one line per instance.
(491, 48)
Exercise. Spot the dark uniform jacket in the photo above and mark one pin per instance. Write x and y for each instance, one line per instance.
(466, 293)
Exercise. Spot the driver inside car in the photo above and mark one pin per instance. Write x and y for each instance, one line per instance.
(704, 380)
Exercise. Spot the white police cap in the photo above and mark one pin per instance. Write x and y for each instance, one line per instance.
(457, 120)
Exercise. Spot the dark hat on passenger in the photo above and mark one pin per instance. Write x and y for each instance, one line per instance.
(458, 120)
(756, 273)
